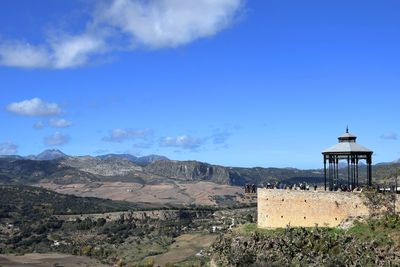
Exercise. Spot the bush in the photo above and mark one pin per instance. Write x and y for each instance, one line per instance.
(149, 262)
(86, 250)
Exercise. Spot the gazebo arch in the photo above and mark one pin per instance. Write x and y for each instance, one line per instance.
(346, 149)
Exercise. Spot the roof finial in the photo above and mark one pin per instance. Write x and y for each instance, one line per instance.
(347, 129)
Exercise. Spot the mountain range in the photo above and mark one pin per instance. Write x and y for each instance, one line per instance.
(52, 154)
(56, 167)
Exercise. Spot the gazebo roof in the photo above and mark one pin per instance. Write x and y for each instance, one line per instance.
(347, 147)
(347, 144)
(347, 135)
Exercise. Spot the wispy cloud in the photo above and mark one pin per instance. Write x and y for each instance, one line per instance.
(120, 135)
(38, 125)
(220, 137)
(8, 149)
(183, 142)
(57, 53)
(60, 123)
(217, 140)
(34, 107)
(57, 139)
(389, 136)
(24, 55)
(125, 25)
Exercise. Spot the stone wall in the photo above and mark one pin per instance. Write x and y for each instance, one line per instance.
(279, 208)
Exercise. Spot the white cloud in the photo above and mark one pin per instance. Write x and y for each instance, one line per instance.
(24, 55)
(58, 53)
(119, 135)
(153, 24)
(34, 107)
(8, 149)
(56, 139)
(169, 23)
(60, 123)
(389, 136)
(183, 141)
(75, 51)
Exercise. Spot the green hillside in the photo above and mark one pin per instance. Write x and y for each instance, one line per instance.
(28, 201)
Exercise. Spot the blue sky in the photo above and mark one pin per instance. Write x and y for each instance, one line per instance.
(231, 82)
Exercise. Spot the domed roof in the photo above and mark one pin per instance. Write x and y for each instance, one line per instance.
(347, 137)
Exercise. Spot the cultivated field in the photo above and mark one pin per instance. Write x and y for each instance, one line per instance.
(200, 193)
(184, 247)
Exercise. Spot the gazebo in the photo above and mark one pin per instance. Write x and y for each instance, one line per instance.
(347, 149)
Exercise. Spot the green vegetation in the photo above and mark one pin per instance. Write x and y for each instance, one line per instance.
(384, 230)
(374, 242)
(386, 173)
(251, 228)
(27, 199)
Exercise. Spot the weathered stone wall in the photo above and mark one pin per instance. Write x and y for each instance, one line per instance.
(279, 208)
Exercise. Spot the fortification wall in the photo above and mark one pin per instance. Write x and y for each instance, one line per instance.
(279, 208)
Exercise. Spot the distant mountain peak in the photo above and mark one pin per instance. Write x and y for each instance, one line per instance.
(50, 154)
(54, 150)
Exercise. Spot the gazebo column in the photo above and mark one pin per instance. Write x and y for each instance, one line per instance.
(337, 172)
(325, 171)
(357, 170)
(369, 170)
(348, 171)
(334, 172)
(330, 173)
(352, 171)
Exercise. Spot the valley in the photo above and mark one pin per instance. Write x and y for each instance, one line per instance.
(110, 231)
(113, 210)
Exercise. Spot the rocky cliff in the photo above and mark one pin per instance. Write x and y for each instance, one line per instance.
(190, 171)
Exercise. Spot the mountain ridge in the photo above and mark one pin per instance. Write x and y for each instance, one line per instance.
(64, 169)
(53, 154)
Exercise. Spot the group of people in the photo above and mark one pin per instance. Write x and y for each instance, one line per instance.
(300, 186)
(344, 188)
(250, 189)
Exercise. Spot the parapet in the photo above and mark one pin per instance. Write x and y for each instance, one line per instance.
(280, 208)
